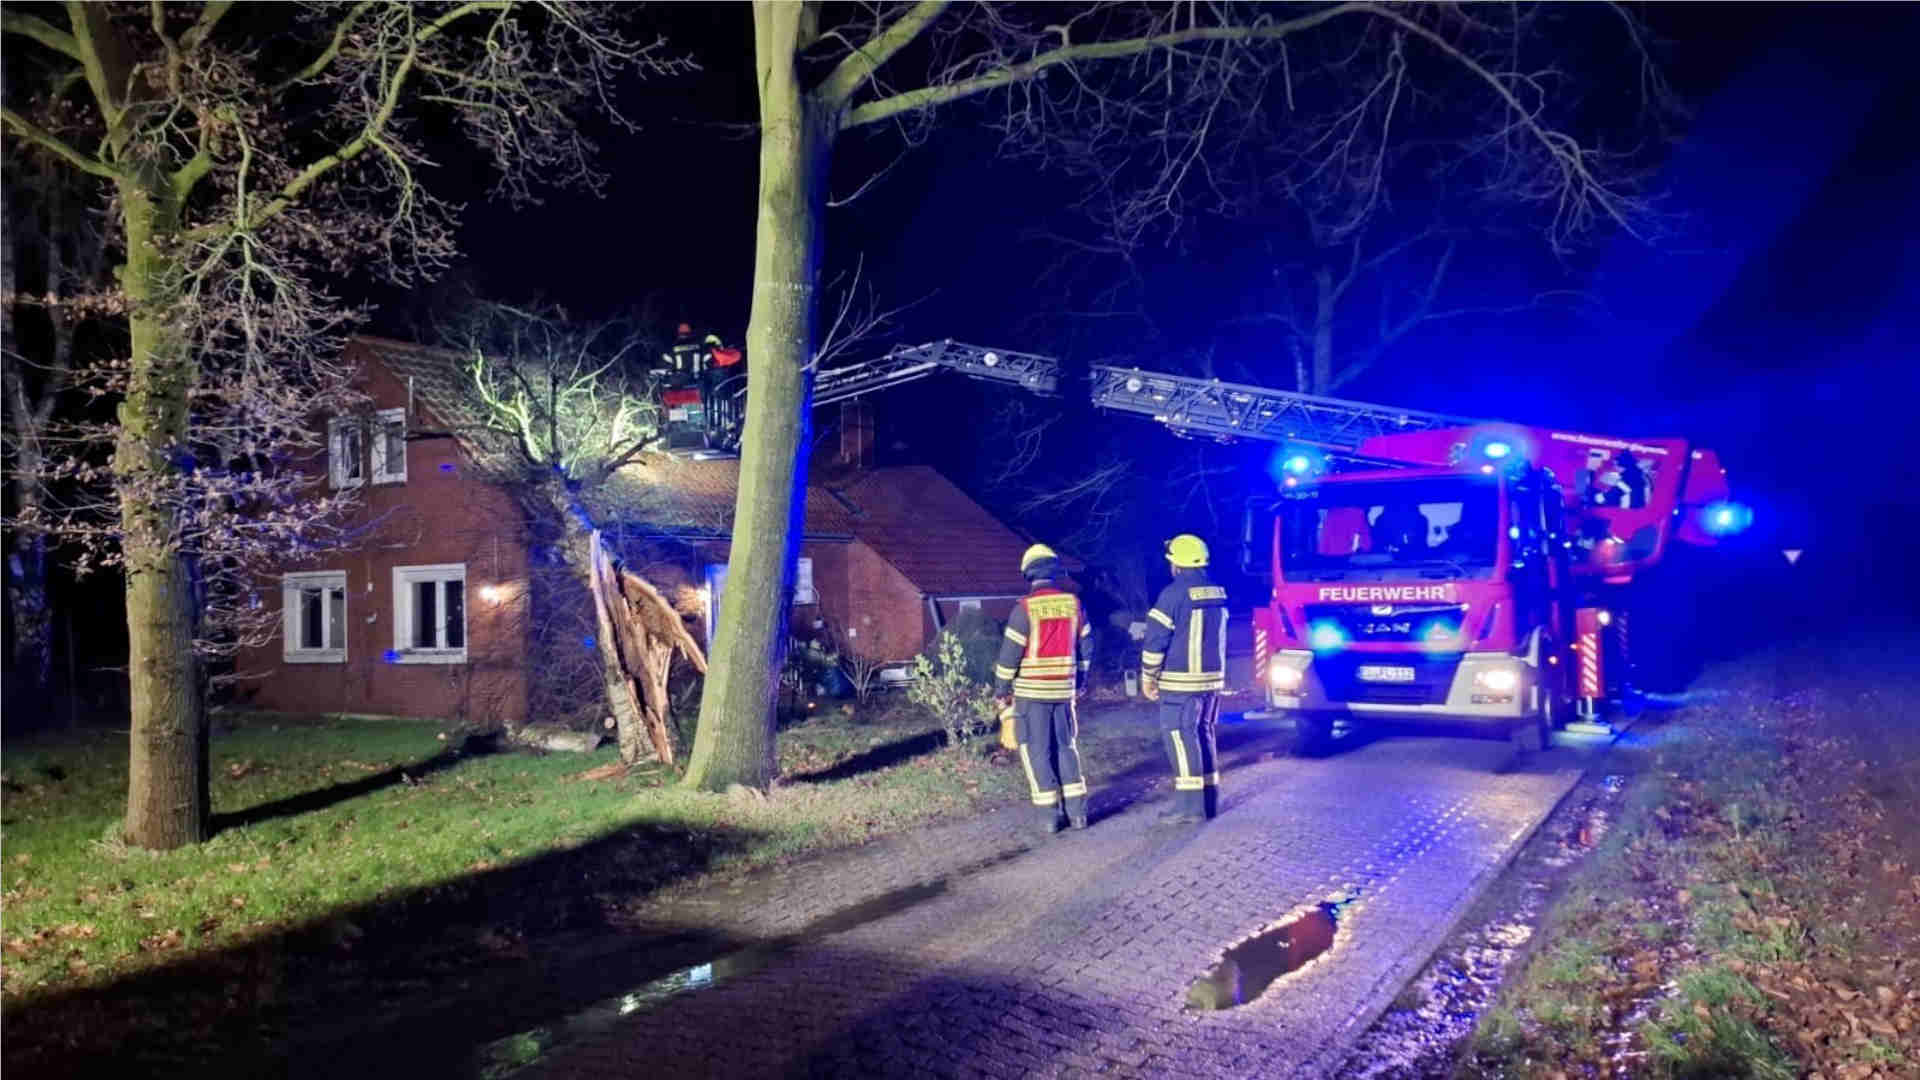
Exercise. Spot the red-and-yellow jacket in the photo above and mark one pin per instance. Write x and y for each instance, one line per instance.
(1047, 649)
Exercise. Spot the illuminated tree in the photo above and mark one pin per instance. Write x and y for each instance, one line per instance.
(244, 154)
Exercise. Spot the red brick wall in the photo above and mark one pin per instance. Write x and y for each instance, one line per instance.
(442, 513)
(886, 608)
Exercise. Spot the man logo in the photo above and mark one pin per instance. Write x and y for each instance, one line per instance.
(1382, 609)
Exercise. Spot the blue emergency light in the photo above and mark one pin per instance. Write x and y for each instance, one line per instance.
(1326, 637)
(1498, 450)
(1725, 518)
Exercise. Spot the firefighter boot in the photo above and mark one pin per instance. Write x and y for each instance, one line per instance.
(1077, 811)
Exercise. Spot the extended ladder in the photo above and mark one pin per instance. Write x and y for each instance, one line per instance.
(1184, 403)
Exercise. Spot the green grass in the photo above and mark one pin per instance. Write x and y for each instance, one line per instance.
(326, 818)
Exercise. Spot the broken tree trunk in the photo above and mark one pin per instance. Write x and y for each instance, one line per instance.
(639, 631)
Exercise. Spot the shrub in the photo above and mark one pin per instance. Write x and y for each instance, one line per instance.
(943, 685)
(979, 638)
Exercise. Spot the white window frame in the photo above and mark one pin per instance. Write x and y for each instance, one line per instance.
(386, 471)
(291, 587)
(356, 448)
(404, 579)
(803, 590)
(346, 443)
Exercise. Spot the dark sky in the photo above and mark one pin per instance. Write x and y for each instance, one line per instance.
(1781, 324)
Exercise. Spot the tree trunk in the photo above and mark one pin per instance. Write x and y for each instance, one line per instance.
(1323, 331)
(576, 546)
(167, 792)
(734, 740)
(27, 562)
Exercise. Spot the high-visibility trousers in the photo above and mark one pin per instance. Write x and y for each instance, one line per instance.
(1050, 752)
(1187, 727)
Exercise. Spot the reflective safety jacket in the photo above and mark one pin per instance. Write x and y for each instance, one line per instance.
(1047, 647)
(1186, 643)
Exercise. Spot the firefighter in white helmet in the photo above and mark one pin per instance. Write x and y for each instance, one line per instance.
(1043, 662)
(1183, 666)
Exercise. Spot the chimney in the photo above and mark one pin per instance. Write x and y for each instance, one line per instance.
(856, 434)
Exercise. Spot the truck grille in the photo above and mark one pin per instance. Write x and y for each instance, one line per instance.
(1432, 679)
(1392, 622)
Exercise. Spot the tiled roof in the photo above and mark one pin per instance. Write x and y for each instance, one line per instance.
(695, 498)
(944, 542)
(437, 379)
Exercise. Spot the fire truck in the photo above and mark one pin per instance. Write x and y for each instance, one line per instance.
(1422, 566)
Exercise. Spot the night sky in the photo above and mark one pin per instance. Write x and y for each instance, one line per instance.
(1780, 324)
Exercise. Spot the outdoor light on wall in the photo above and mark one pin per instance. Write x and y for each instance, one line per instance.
(492, 594)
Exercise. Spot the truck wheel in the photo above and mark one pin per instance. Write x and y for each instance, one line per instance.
(1312, 734)
(1530, 735)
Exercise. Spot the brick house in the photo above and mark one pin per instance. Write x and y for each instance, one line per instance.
(427, 614)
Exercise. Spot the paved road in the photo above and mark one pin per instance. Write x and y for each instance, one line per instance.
(1076, 956)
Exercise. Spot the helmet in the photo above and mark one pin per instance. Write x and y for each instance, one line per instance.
(684, 330)
(712, 339)
(1035, 556)
(1187, 550)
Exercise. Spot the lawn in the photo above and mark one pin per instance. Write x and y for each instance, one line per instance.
(1756, 910)
(320, 816)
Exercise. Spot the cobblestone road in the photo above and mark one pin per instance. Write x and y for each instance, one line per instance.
(1074, 958)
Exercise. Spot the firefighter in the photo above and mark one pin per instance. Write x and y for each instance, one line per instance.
(689, 357)
(1183, 666)
(1043, 664)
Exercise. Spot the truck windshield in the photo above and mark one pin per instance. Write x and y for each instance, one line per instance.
(1434, 522)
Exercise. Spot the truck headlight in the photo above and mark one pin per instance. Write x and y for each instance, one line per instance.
(1500, 680)
(1285, 677)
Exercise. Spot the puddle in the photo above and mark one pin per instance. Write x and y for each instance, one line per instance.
(1253, 965)
(506, 1056)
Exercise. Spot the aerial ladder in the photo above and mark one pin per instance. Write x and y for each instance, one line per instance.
(1189, 405)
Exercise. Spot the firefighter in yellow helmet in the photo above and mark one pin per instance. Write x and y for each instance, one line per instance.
(1183, 666)
(1043, 662)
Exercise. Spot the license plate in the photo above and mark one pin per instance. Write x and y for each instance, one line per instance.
(1385, 673)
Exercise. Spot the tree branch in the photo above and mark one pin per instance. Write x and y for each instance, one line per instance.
(47, 140)
(320, 63)
(860, 65)
(42, 31)
(928, 97)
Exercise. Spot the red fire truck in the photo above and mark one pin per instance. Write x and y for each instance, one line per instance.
(1479, 572)
(1422, 565)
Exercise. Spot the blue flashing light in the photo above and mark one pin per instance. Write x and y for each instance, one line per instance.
(1299, 464)
(588, 641)
(1498, 450)
(1725, 518)
(446, 466)
(391, 656)
(1326, 637)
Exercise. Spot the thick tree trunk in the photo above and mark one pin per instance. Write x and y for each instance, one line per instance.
(1325, 296)
(734, 741)
(167, 792)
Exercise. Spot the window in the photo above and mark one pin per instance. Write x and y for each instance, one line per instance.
(348, 444)
(314, 619)
(803, 583)
(390, 446)
(346, 456)
(430, 614)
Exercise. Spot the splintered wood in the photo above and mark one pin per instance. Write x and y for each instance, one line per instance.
(639, 631)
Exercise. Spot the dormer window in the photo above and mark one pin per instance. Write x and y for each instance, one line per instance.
(357, 447)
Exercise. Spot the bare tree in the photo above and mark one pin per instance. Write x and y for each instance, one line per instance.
(556, 409)
(1143, 97)
(237, 175)
(54, 261)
